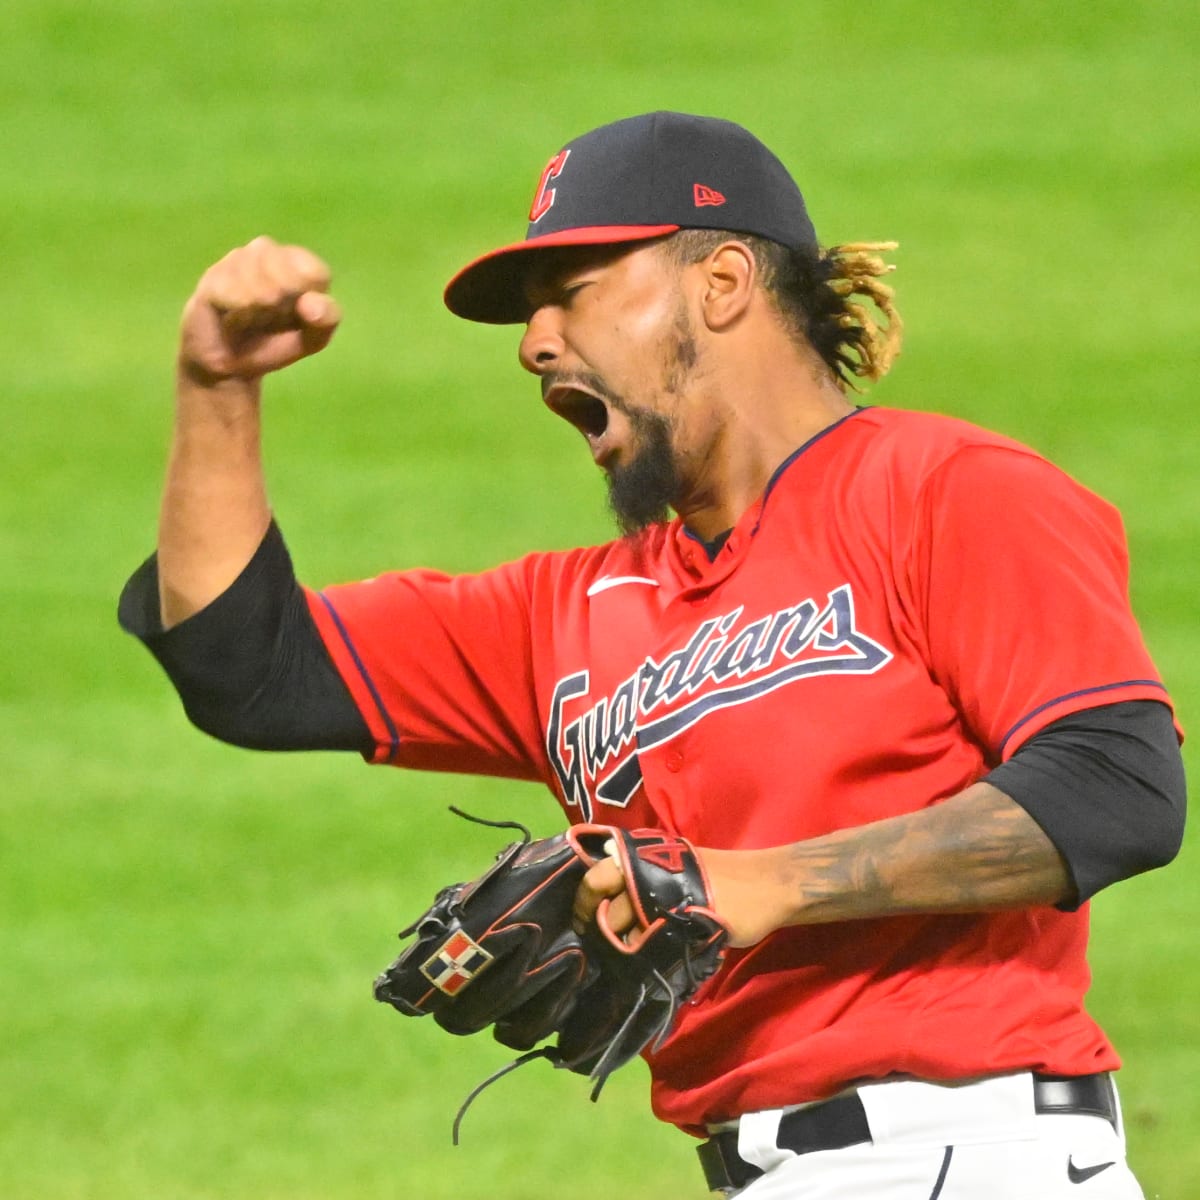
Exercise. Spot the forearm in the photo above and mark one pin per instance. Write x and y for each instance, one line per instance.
(259, 309)
(214, 509)
(977, 850)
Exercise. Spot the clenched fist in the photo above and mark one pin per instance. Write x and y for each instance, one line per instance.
(261, 308)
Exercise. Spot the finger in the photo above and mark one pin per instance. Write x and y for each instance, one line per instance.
(292, 269)
(601, 882)
(286, 273)
(320, 316)
(314, 316)
(272, 352)
(316, 335)
(261, 278)
(318, 310)
(248, 320)
(300, 269)
(618, 915)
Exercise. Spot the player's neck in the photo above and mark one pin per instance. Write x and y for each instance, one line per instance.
(766, 413)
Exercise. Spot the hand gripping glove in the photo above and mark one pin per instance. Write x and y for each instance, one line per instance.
(643, 976)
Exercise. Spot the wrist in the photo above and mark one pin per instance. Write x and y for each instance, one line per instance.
(751, 891)
(194, 382)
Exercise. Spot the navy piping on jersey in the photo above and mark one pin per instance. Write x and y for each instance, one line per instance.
(1104, 687)
(713, 548)
(795, 454)
(393, 732)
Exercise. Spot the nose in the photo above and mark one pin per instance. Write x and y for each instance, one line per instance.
(541, 347)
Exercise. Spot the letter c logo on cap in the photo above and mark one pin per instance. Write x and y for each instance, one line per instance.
(543, 200)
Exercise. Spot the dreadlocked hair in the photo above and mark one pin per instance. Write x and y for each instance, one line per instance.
(834, 299)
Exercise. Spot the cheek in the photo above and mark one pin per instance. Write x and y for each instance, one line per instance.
(645, 322)
(640, 346)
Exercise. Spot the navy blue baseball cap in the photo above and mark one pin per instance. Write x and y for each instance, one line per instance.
(630, 181)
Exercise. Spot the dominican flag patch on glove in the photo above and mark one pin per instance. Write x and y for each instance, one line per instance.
(453, 966)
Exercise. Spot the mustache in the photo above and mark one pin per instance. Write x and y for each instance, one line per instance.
(585, 381)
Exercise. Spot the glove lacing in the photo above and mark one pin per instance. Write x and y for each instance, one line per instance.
(600, 1072)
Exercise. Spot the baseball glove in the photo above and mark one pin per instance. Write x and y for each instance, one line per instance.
(501, 950)
(498, 950)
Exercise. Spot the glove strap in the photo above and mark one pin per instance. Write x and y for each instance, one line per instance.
(544, 1052)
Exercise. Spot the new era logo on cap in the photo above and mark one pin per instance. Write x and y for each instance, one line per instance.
(458, 961)
(706, 197)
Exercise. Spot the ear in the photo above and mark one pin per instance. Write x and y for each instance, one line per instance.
(730, 277)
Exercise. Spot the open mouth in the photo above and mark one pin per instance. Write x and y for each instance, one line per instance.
(588, 413)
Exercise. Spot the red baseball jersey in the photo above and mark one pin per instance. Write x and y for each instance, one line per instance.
(911, 599)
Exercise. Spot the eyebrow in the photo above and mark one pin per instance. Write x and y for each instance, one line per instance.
(554, 265)
(550, 271)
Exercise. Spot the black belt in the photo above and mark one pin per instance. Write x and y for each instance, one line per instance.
(842, 1122)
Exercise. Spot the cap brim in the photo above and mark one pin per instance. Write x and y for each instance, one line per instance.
(492, 288)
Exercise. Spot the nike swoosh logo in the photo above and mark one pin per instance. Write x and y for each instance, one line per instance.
(1083, 1174)
(611, 581)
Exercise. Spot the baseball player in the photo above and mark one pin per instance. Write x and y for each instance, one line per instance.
(879, 667)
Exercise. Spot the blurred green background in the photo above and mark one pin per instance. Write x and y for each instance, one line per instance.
(188, 932)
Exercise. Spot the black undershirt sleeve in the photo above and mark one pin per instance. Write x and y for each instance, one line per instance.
(251, 668)
(1107, 786)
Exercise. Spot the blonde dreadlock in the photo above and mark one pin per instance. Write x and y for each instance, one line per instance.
(835, 299)
(859, 273)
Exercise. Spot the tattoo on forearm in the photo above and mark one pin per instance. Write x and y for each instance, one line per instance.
(978, 850)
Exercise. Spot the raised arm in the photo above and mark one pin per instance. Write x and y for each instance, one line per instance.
(260, 308)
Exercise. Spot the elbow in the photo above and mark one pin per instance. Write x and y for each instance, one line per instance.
(1154, 838)
(1169, 817)
(226, 723)
(1141, 843)
(1162, 837)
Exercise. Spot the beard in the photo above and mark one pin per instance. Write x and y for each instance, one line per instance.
(640, 491)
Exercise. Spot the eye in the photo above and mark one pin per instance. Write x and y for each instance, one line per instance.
(569, 291)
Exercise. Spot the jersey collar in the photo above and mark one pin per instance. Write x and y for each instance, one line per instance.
(692, 551)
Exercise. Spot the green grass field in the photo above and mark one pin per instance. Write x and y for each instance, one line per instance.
(188, 932)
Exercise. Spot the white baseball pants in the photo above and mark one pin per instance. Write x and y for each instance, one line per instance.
(979, 1141)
